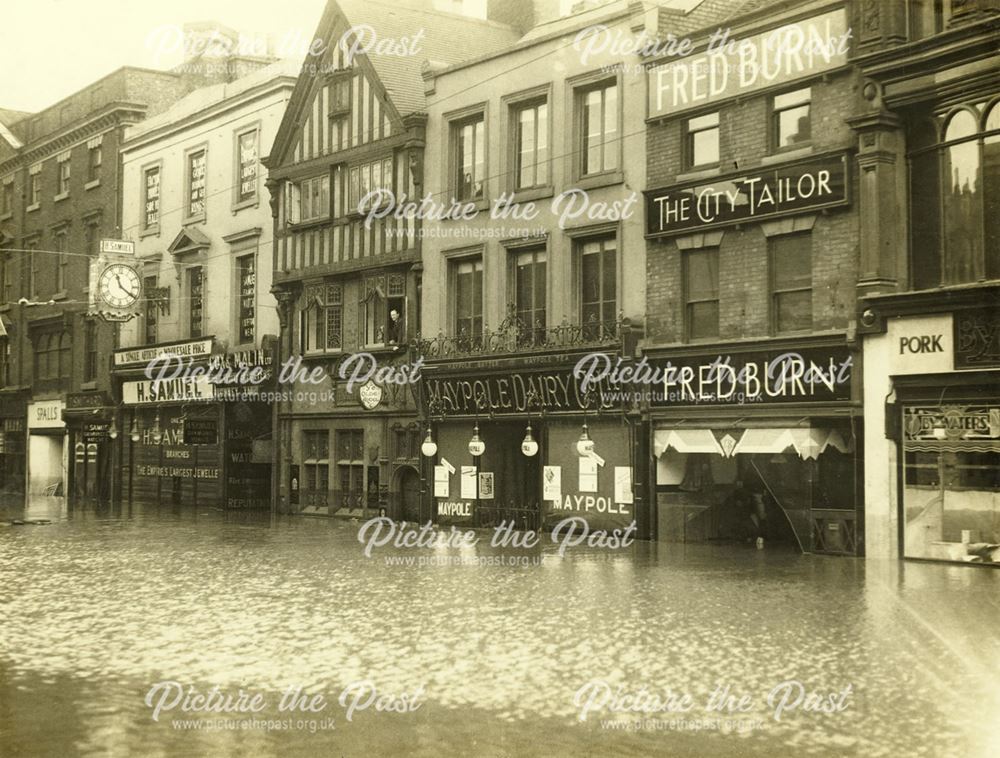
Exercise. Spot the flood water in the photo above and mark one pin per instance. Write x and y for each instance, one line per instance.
(98, 607)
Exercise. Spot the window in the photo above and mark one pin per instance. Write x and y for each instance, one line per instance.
(955, 196)
(598, 287)
(702, 140)
(90, 351)
(52, 356)
(34, 189)
(340, 95)
(196, 184)
(8, 278)
(64, 172)
(531, 145)
(529, 295)
(247, 283)
(383, 309)
(368, 178)
(926, 17)
(790, 119)
(351, 467)
(4, 362)
(62, 261)
(246, 167)
(92, 234)
(151, 198)
(598, 109)
(323, 320)
(149, 312)
(7, 198)
(469, 158)
(94, 158)
(316, 466)
(701, 293)
(468, 275)
(791, 282)
(314, 198)
(196, 302)
(32, 248)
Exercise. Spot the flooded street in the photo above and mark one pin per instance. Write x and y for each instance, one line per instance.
(97, 608)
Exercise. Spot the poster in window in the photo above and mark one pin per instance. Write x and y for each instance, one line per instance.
(468, 480)
(486, 485)
(588, 475)
(248, 289)
(440, 481)
(552, 483)
(248, 166)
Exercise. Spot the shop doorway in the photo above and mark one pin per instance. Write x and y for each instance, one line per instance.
(517, 478)
(408, 487)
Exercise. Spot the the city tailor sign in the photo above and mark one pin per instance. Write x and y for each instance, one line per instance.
(819, 182)
(194, 350)
(516, 392)
(786, 375)
(728, 67)
(181, 390)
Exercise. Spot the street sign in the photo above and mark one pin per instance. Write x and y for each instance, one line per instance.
(201, 431)
(117, 247)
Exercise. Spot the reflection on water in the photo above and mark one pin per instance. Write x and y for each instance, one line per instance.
(98, 606)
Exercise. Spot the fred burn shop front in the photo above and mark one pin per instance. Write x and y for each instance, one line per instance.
(778, 421)
(521, 443)
(189, 441)
(932, 400)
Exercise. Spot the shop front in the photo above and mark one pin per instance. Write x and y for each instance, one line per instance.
(523, 443)
(88, 418)
(13, 431)
(932, 391)
(47, 450)
(758, 444)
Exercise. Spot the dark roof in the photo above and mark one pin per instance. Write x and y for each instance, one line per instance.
(447, 39)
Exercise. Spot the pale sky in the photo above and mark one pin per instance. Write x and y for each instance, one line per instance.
(51, 48)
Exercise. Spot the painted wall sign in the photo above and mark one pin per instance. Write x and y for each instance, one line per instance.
(735, 199)
(977, 338)
(768, 376)
(46, 414)
(167, 391)
(731, 67)
(142, 355)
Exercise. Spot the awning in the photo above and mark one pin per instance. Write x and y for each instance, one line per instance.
(808, 442)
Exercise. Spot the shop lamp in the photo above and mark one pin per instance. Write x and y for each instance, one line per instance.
(113, 430)
(584, 445)
(476, 446)
(157, 434)
(429, 448)
(134, 431)
(528, 446)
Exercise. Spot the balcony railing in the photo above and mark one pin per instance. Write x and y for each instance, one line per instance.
(515, 336)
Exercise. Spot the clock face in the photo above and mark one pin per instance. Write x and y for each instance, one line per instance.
(119, 285)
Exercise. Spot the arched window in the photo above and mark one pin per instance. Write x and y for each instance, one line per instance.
(954, 187)
(65, 356)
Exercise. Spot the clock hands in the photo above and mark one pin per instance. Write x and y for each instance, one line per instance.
(121, 286)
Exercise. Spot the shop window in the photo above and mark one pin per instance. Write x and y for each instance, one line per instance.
(791, 282)
(598, 266)
(468, 156)
(530, 295)
(951, 483)
(246, 167)
(94, 159)
(150, 315)
(311, 199)
(366, 179)
(351, 468)
(701, 293)
(468, 287)
(702, 140)
(90, 351)
(597, 115)
(151, 198)
(246, 284)
(196, 185)
(955, 195)
(315, 467)
(196, 302)
(530, 127)
(790, 118)
(323, 320)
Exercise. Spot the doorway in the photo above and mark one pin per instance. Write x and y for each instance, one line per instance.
(517, 478)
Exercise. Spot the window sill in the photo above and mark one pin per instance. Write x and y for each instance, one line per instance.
(86, 386)
(699, 173)
(193, 220)
(253, 203)
(6, 216)
(61, 295)
(60, 197)
(462, 205)
(153, 231)
(789, 154)
(528, 194)
(91, 184)
(593, 181)
(34, 207)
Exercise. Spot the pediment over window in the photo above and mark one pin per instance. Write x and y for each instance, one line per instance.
(189, 240)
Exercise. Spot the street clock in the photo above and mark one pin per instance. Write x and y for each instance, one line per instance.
(116, 282)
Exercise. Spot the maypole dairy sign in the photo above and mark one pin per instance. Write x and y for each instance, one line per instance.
(735, 199)
(731, 67)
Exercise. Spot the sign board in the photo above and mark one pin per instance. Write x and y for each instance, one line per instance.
(136, 356)
(96, 432)
(87, 400)
(46, 414)
(117, 247)
(148, 392)
(731, 67)
(201, 431)
(921, 345)
(815, 374)
(747, 197)
(370, 395)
